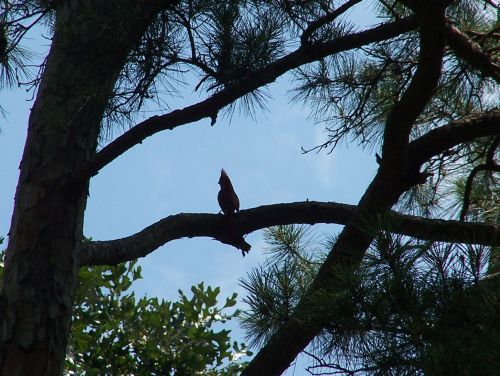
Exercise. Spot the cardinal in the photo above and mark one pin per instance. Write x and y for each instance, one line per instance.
(228, 200)
(230, 205)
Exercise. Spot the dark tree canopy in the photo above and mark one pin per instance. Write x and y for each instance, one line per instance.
(419, 89)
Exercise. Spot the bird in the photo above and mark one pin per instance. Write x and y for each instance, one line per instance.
(227, 197)
(230, 207)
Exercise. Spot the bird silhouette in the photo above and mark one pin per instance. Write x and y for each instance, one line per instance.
(230, 206)
(227, 197)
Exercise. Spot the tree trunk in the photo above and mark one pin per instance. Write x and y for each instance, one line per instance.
(89, 48)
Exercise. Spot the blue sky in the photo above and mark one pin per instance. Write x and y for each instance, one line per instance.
(177, 171)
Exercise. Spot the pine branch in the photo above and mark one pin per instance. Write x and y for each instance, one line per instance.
(439, 140)
(327, 18)
(178, 226)
(471, 52)
(212, 105)
(490, 165)
(384, 191)
(468, 185)
(413, 101)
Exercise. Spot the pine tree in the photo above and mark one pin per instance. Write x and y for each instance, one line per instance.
(419, 88)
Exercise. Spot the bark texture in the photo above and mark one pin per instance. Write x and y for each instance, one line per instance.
(89, 48)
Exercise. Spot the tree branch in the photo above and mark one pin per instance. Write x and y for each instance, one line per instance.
(489, 165)
(471, 52)
(438, 140)
(413, 101)
(249, 83)
(420, 150)
(327, 18)
(468, 186)
(211, 225)
(384, 191)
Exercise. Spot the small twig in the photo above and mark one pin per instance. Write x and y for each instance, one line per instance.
(336, 368)
(329, 17)
(490, 153)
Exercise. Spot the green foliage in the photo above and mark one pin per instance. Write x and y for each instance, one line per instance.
(353, 92)
(290, 242)
(276, 288)
(113, 332)
(273, 293)
(241, 42)
(219, 42)
(418, 308)
(412, 308)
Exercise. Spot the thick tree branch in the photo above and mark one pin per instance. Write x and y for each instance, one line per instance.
(420, 150)
(413, 101)
(471, 52)
(193, 225)
(384, 191)
(467, 129)
(210, 106)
